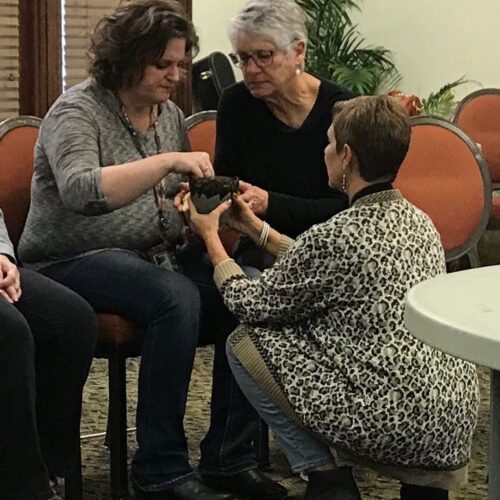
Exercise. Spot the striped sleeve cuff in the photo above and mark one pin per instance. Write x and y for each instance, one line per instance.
(226, 270)
(283, 246)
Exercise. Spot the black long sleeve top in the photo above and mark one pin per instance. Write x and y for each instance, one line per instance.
(289, 163)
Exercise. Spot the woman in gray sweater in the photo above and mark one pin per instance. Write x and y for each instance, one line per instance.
(323, 352)
(108, 160)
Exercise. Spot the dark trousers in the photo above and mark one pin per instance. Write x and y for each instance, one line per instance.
(47, 341)
(227, 448)
(166, 305)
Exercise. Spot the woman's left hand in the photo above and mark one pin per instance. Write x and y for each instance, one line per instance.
(257, 198)
(205, 225)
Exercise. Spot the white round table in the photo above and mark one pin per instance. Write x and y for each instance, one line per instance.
(459, 313)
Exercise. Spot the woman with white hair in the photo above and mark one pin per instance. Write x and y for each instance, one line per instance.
(271, 128)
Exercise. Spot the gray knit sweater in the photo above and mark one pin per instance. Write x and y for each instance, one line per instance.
(82, 133)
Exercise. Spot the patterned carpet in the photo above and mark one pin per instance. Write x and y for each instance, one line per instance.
(95, 456)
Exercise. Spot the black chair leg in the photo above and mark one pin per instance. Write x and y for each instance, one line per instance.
(117, 424)
(262, 446)
(73, 485)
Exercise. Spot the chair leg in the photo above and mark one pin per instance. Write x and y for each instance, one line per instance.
(73, 485)
(262, 446)
(117, 424)
(474, 257)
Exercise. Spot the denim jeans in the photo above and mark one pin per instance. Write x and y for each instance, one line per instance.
(228, 446)
(47, 341)
(166, 305)
(302, 449)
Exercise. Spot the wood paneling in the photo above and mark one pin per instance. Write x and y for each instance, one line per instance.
(40, 55)
(9, 58)
(38, 79)
(80, 18)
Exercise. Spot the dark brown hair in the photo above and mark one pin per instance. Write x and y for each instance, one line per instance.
(134, 36)
(378, 131)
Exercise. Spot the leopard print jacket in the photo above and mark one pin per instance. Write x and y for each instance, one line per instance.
(327, 322)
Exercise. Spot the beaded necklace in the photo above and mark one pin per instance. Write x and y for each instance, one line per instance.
(158, 189)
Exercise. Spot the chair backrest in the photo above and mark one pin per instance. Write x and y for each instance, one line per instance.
(201, 131)
(445, 175)
(17, 141)
(478, 115)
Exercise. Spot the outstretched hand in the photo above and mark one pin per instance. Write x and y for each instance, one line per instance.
(257, 198)
(196, 163)
(243, 219)
(205, 225)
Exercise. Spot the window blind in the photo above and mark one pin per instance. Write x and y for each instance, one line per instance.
(80, 18)
(9, 59)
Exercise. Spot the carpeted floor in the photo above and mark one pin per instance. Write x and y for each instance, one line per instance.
(95, 456)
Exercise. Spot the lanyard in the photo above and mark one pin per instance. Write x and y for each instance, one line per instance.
(158, 189)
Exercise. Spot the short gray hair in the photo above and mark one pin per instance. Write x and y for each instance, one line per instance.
(282, 21)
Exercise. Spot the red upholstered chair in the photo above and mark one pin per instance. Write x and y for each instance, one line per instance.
(118, 337)
(201, 132)
(17, 141)
(445, 175)
(478, 115)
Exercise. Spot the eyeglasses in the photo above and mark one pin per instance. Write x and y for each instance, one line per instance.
(261, 58)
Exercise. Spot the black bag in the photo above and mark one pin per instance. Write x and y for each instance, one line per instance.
(211, 75)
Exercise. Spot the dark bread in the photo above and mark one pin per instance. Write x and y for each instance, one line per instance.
(213, 186)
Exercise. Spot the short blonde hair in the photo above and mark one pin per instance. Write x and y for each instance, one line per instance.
(378, 131)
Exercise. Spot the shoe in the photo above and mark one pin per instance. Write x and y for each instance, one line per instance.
(192, 489)
(335, 484)
(414, 492)
(250, 484)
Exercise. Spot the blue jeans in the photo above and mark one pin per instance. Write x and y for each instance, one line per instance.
(227, 448)
(166, 305)
(47, 341)
(302, 449)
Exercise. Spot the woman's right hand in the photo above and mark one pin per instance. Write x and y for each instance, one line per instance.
(196, 163)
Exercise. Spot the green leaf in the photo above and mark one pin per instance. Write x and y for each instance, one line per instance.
(337, 50)
(442, 103)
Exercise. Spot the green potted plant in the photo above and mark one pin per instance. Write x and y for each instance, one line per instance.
(442, 103)
(338, 52)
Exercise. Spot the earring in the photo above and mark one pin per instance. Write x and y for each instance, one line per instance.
(298, 71)
(344, 182)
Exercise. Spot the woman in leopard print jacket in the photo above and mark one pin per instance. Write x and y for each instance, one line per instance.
(323, 352)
